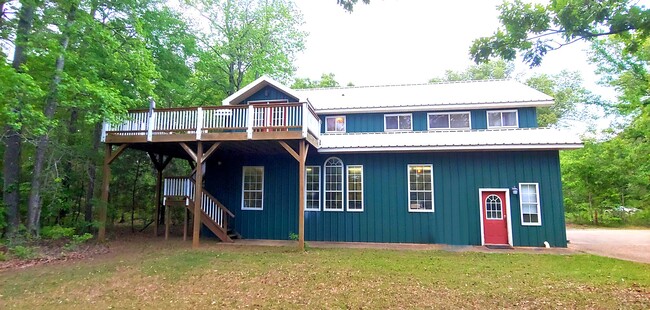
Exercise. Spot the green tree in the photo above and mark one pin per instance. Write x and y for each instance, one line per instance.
(348, 5)
(326, 80)
(496, 69)
(247, 40)
(535, 29)
(565, 87)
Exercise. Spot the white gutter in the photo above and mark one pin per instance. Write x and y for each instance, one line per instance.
(500, 147)
(439, 107)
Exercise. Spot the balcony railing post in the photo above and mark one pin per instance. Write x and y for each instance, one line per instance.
(199, 123)
(151, 121)
(249, 122)
(305, 120)
(104, 129)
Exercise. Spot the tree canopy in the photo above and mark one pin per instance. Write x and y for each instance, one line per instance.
(535, 29)
(326, 80)
(68, 65)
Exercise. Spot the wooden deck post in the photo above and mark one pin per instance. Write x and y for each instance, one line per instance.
(156, 215)
(185, 223)
(301, 157)
(198, 195)
(303, 148)
(109, 157)
(167, 221)
(160, 163)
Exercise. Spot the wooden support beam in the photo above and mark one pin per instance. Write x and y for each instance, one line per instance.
(167, 221)
(156, 215)
(210, 151)
(185, 223)
(189, 151)
(117, 152)
(198, 195)
(301, 196)
(290, 150)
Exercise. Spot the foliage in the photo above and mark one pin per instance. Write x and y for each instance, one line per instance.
(496, 69)
(76, 241)
(326, 80)
(23, 252)
(248, 39)
(293, 236)
(57, 232)
(120, 53)
(348, 5)
(565, 87)
(535, 29)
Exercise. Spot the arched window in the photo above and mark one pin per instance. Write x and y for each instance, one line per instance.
(333, 185)
(493, 208)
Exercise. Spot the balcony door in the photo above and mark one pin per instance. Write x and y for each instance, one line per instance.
(269, 115)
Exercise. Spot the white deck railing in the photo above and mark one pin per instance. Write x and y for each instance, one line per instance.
(224, 119)
(183, 187)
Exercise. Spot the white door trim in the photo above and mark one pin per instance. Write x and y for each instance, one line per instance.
(508, 215)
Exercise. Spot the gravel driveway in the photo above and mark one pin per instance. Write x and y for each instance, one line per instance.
(628, 244)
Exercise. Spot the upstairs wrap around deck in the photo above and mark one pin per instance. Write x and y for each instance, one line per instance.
(245, 122)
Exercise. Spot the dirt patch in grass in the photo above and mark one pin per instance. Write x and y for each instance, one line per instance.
(50, 252)
(151, 273)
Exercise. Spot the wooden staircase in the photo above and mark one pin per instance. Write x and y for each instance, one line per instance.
(179, 191)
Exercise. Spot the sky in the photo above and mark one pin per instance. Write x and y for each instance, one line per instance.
(411, 41)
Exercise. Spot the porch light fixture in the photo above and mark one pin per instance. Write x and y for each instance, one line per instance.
(515, 190)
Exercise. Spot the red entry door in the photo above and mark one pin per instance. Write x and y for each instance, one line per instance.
(495, 221)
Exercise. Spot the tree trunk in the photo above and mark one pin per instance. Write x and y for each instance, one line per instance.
(92, 173)
(34, 202)
(135, 187)
(12, 138)
(67, 164)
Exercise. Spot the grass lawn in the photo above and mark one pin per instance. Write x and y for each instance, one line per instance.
(149, 273)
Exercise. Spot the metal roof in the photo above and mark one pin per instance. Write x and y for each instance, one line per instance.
(435, 96)
(467, 140)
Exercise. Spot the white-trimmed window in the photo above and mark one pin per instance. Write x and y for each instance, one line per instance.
(420, 178)
(355, 187)
(335, 123)
(252, 188)
(493, 208)
(502, 119)
(333, 185)
(398, 122)
(453, 120)
(529, 202)
(312, 188)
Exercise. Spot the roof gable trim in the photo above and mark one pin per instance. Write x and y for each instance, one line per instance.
(257, 85)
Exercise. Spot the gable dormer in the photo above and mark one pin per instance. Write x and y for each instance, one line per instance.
(264, 89)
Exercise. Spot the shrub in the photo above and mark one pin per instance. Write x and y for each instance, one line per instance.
(57, 232)
(77, 240)
(293, 236)
(23, 252)
(3, 257)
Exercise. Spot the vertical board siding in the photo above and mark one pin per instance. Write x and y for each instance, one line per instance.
(457, 179)
(527, 117)
(269, 93)
(374, 122)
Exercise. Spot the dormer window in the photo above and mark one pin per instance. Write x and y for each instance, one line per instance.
(502, 119)
(453, 120)
(398, 122)
(335, 124)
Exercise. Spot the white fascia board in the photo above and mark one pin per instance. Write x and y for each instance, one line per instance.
(500, 147)
(254, 85)
(439, 107)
